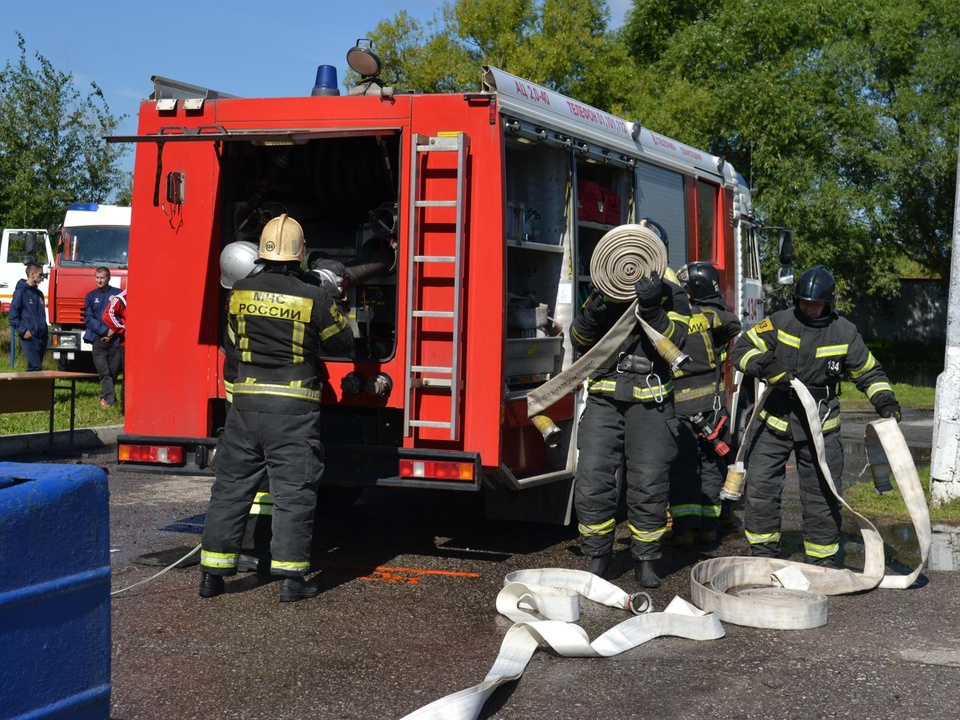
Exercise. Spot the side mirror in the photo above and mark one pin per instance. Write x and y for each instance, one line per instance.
(785, 275)
(785, 246)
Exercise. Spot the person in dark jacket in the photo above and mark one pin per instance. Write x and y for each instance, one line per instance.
(283, 325)
(105, 351)
(28, 317)
(697, 474)
(628, 416)
(813, 344)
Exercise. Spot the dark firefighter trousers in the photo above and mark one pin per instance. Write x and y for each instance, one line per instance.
(287, 450)
(696, 478)
(643, 434)
(766, 476)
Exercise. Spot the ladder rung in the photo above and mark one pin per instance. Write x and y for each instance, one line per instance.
(434, 258)
(433, 313)
(436, 382)
(438, 145)
(429, 368)
(435, 203)
(429, 423)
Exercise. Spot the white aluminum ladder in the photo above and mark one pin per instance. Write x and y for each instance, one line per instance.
(420, 377)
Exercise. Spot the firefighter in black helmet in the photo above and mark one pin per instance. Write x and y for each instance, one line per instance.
(697, 474)
(813, 344)
(628, 416)
(283, 324)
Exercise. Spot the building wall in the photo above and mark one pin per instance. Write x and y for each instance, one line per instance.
(918, 315)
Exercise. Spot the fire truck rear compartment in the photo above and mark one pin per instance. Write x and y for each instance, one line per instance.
(343, 192)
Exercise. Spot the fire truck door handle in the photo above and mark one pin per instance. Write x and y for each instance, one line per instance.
(156, 182)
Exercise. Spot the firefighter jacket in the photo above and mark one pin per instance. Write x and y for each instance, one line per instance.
(819, 353)
(283, 324)
(27, 312)
(710, 328)
(618, 379)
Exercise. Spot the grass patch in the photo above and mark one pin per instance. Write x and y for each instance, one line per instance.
(891, 507)
(88, 412)
(910, 397)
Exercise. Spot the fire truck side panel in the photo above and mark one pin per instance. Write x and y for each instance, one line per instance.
(479, 346)
(171, 348)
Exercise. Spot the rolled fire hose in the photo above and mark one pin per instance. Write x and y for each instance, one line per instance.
(622, 256)
(554, 593)
(793, 595)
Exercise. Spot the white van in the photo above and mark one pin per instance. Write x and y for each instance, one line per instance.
(18, 248)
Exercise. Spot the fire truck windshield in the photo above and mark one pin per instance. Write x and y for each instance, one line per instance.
(94, 246)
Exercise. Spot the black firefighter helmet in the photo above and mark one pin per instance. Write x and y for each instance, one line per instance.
(816, 284)
(700, 279)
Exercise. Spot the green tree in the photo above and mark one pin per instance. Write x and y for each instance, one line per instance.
(844, 116)
(562, 44)
(51, 147)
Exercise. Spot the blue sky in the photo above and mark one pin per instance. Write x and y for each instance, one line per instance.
(238, 47)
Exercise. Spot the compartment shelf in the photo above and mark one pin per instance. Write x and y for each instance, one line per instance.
(514, 243)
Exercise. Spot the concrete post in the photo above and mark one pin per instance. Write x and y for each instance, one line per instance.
(945, 456)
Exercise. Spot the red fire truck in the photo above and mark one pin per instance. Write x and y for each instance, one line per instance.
(92, 235)
(491, 203)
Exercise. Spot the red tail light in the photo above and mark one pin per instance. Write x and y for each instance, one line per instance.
(165, 454)
(436, 470)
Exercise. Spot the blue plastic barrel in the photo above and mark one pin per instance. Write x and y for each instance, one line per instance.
(54, 592)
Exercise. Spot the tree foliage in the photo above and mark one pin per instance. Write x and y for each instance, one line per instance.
(562, 44)
(844, 116)
(51, 147)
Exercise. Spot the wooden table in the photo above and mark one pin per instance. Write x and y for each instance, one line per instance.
(35, 391)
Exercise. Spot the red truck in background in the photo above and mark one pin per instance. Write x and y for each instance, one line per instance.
(491, 202)
(92, 236)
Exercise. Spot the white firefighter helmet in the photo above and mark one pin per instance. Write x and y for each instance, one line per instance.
(237, 260)
(282, 240)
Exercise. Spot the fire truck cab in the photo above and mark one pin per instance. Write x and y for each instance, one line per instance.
(489, 203)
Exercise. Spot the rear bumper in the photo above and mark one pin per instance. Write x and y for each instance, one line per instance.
(344, 465)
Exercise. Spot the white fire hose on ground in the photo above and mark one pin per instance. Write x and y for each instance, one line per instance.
(793, 596)
(555, 594)
(622, 257)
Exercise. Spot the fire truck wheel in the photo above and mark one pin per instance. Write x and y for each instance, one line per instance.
(334, 500)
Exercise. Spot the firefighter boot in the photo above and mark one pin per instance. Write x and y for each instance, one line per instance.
(707, 537)
(211, 585)
(827, 562)
(599, 564)
(297, 588)
(683, 539)
(645, 574)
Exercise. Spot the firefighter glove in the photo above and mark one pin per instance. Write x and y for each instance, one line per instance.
(890, 409)
(595, 307)
(773, 372)
(649, 290)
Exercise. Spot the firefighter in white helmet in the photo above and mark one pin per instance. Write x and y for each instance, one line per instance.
(283, 323)
(239, 260)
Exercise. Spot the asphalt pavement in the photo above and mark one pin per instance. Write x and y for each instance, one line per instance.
(407, 616)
